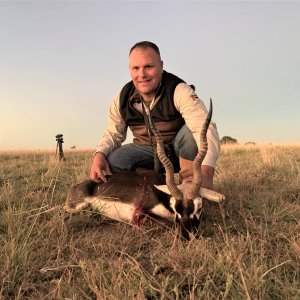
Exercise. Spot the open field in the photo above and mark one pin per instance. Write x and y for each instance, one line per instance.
(249, 246)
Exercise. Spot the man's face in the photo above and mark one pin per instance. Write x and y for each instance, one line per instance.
(146, 70)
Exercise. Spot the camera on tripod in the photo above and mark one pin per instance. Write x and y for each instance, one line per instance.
(60, 140)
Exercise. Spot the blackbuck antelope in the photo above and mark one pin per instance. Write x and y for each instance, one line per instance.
(133, 196)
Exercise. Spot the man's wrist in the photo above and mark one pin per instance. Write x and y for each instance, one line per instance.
(208, 170)
(99, 153)
(207, 176)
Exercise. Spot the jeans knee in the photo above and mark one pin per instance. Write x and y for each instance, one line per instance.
(129, 157)
(117, 164)
(185, 144)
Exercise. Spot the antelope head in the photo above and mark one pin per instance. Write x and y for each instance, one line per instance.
(186, 198)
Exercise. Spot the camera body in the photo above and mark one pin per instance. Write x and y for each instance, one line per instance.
(59, 138)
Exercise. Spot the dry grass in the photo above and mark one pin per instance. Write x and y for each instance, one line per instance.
(249, 246)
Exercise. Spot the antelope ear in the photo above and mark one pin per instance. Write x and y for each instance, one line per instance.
(163, 188)
(211, 195)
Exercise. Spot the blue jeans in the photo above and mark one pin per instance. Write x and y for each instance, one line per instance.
(131, 156)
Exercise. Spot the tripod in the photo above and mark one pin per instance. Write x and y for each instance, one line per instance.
(59, 139)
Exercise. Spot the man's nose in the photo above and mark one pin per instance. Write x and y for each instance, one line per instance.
(142, 72)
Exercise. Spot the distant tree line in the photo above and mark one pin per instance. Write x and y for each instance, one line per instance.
(232, 141)
(228, 140)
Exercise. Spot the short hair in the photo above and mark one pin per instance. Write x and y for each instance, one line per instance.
(145, 45)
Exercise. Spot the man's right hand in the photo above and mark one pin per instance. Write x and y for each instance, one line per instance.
(99, 164)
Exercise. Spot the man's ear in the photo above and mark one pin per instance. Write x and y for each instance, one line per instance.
(163, 188)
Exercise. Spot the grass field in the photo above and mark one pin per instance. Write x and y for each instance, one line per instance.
(249, 246)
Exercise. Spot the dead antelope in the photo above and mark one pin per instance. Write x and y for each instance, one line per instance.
(132, 196)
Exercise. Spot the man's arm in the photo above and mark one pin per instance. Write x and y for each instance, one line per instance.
(207, 177)
(194, 113)
(207, 173)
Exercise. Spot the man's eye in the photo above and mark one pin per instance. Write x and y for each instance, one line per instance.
(149, 67)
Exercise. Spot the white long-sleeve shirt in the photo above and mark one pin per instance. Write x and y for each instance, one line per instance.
(190, 107)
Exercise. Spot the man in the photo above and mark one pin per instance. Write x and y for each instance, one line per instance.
(176, 110)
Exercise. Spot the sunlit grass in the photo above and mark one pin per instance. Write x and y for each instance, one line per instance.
(249, 246)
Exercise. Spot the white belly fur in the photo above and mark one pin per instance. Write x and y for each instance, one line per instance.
(113, 209)
(161, 211)
(123, 211)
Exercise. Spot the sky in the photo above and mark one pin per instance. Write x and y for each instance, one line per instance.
(62, 62)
